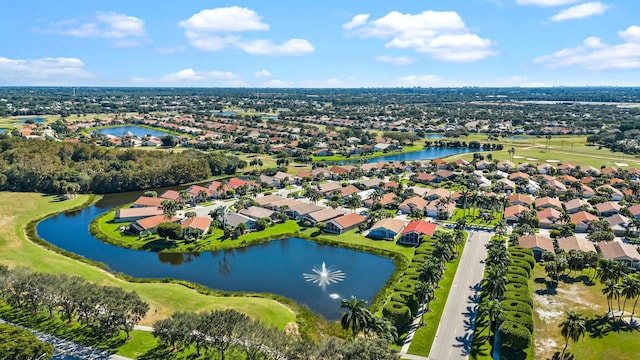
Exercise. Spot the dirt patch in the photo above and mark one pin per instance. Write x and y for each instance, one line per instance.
(291, 329)
(573, 294)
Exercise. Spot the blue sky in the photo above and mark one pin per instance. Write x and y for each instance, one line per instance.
(328, 43)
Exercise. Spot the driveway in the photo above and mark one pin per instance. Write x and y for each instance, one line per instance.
(455, 331)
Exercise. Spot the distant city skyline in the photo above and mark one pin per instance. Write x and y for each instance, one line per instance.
(355, 43)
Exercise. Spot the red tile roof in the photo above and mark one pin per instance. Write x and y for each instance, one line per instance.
(421, 227)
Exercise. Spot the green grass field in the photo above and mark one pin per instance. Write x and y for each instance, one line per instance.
(17, 209)
(406, 149)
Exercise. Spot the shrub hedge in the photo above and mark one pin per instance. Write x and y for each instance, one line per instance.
(516, 305)
(513, 278)
(516, 270)
(398, 313)
(521, 264)
(520, 296)
(514, 336)
(517, 317)
(406, 298)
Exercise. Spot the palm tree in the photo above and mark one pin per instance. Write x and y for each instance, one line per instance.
(493, 309)
(630, 289)
(572, 327)
(611, 290)
(169, 208)
(356, 317)
(313, 196)
(511, 152)
(500, 229)
(425, 292)
(495, 282)
(382, 327)
(183, 197)
(431, 272)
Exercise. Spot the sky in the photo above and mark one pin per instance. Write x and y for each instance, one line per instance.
(328, 43)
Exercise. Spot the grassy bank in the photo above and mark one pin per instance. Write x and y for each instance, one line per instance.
(18, 209)
(406, 149)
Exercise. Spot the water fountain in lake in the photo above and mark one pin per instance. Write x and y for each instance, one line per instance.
(324, 276)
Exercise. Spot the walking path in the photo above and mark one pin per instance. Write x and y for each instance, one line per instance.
(455, 331)
(65, 348)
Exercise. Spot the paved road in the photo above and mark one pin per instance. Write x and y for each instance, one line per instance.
(68, 350)
(455, 331)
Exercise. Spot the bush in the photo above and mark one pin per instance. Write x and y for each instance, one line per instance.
(513, 278)
(420, 258)
(520, 296)
(516, 287)
(406, 298)
(398, 313)
(518, 317)
(522, 264)
(410, 271)
(516, 305)
(516, 270)
(406, 286)
(423, 250)
(523, 254)
(514, 336)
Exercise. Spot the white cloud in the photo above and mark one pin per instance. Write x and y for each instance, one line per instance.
(267, 47)
(422, 80)
(441, 34)
(44, 71)
(581, 11)
(263, 74)
(594, 54)
(190, 76)
(229, 19)
(216, 29)
(630, 34)
(546, 2)
(277, 83)
(395, 60)
(357, 20)
(123, 30)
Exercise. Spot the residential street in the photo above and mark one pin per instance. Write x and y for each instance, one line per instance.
(455, 331)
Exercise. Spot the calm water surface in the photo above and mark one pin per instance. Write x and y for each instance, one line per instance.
(274, 267)
(425, 154)
(134, 130)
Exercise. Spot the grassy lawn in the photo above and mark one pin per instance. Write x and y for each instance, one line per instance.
(566, 149)
(352, 237)
(603, 340)
(16, 250)
(473, 217)
(423, 337)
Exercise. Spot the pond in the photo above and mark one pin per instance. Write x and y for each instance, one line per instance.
(435, 152)
(36, 120)
(133, 130)
(275, 267)
(224, 113)
(434, 136)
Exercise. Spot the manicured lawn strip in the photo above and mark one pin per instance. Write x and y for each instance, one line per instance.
(406, 149)
(473, 217)
(141, 343)
(18, 209)
(423, 337)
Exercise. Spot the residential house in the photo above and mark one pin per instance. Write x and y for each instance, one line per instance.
(616, 195)
(146, 201)
(436, 209)
(437, 193)
(415, 230)
(506, 165)
(257, 213)
(574, 205)
(573, 243)
(443, 175)
(284, 203)
(386, 229)
(548, 217)
(425, 178)
(195, 227)
(299, 211)
(170, 195)
(548, 202)
(635, 211)
(519, 199)
(234, 220)
(323, 215)
(327, 188)
(149, 224)
(512, 213)
(518, 175)
(537, 243)
(608, 208)
(133, 214)
(583, 220)
(386, 200)
(267, 199)
(344, 223)
(348, 191)
(622, 252)
(413, 204)
(509, 186)
(619, 224)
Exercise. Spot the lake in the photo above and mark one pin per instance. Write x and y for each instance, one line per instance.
(36, 120)
(134, 130)
(274, 267)
(424, 154)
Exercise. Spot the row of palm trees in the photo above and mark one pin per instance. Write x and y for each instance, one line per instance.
(358, 319)
(494, 283)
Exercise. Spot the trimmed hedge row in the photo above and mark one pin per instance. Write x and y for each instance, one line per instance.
(515, 336)
(520, 296)
(513, 278)
(524, 265)
(518, 317)
(398, 313)
(516, 270)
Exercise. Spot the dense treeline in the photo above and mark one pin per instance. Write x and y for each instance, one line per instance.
(105, 310)
(66, 168)
(232, 335)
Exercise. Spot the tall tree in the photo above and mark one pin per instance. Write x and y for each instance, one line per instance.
(572, 327)
(356, 317)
